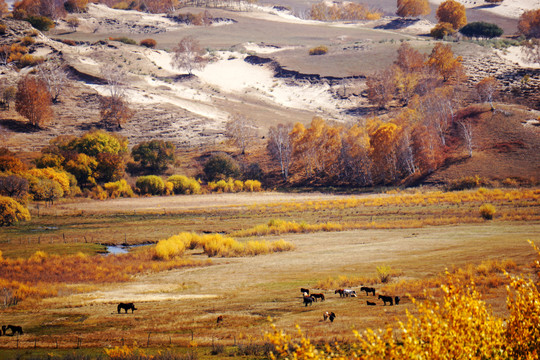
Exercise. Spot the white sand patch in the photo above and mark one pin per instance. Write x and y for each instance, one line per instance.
(508, 8)
(514, 54)
(100, 11)
(236, 75)
(88, 61)
(162, 59)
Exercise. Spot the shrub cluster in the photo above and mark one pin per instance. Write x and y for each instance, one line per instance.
(232, 186)
(149, 43)
(184, 185)
(150, 185)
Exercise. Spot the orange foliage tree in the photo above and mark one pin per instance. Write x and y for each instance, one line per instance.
(452, 12)
(449, 67)
(412, 8)
(529, 23)
(316, 149)
(33, 101)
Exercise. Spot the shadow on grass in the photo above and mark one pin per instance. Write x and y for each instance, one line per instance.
(18, 126)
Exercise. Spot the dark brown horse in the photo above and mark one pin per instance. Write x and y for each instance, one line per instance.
(341, 292)
(126, 307)
(318, 296)
(14, 330)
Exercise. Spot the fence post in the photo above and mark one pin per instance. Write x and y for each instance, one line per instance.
(148, 341)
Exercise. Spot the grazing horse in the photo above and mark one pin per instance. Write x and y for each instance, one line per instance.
(386, 299)
(341, 292)
(14, 330)
(304, 291)
(331, 317)
(220, 319)
(318, 296)
(368, 290)
(126, 307)
(371, 303)
(308, 300)
(349, 293)
(396, 300)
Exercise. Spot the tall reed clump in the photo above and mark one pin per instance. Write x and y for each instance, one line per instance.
(216, 245)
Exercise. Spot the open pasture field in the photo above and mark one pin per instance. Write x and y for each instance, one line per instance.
(178, 308)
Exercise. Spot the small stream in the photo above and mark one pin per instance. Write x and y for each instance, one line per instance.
(121, 249)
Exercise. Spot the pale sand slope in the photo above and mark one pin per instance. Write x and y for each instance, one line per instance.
(509, 8)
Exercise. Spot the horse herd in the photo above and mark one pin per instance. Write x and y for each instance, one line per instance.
(309, 299)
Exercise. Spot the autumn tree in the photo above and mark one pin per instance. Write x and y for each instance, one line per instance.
(4, 9)
(452, 12)
(14, 186)
(12, 212)
(154, 155)
(316, 149)
(280, 147)
(383, 150)
(188, 55)
(442, 59)
(76, 6)
(54, 74)
(486, 88)
(380, 88)
(221, 166)
(529, 23)
(24, 8)
(114, 109)
(532, 50)
(355, 161)
(33, 101)
(412, 8)
(95, 157)
(441, 30)
(241, 131)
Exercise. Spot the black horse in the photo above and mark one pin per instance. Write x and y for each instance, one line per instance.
(386, 299)
(368, 290)
(308, 300)
(126, 307)
(14, 330)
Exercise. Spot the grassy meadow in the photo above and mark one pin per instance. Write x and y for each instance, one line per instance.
(69, 290)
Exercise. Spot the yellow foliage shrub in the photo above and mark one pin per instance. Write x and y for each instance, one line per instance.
(487, 211)
(118, 189)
